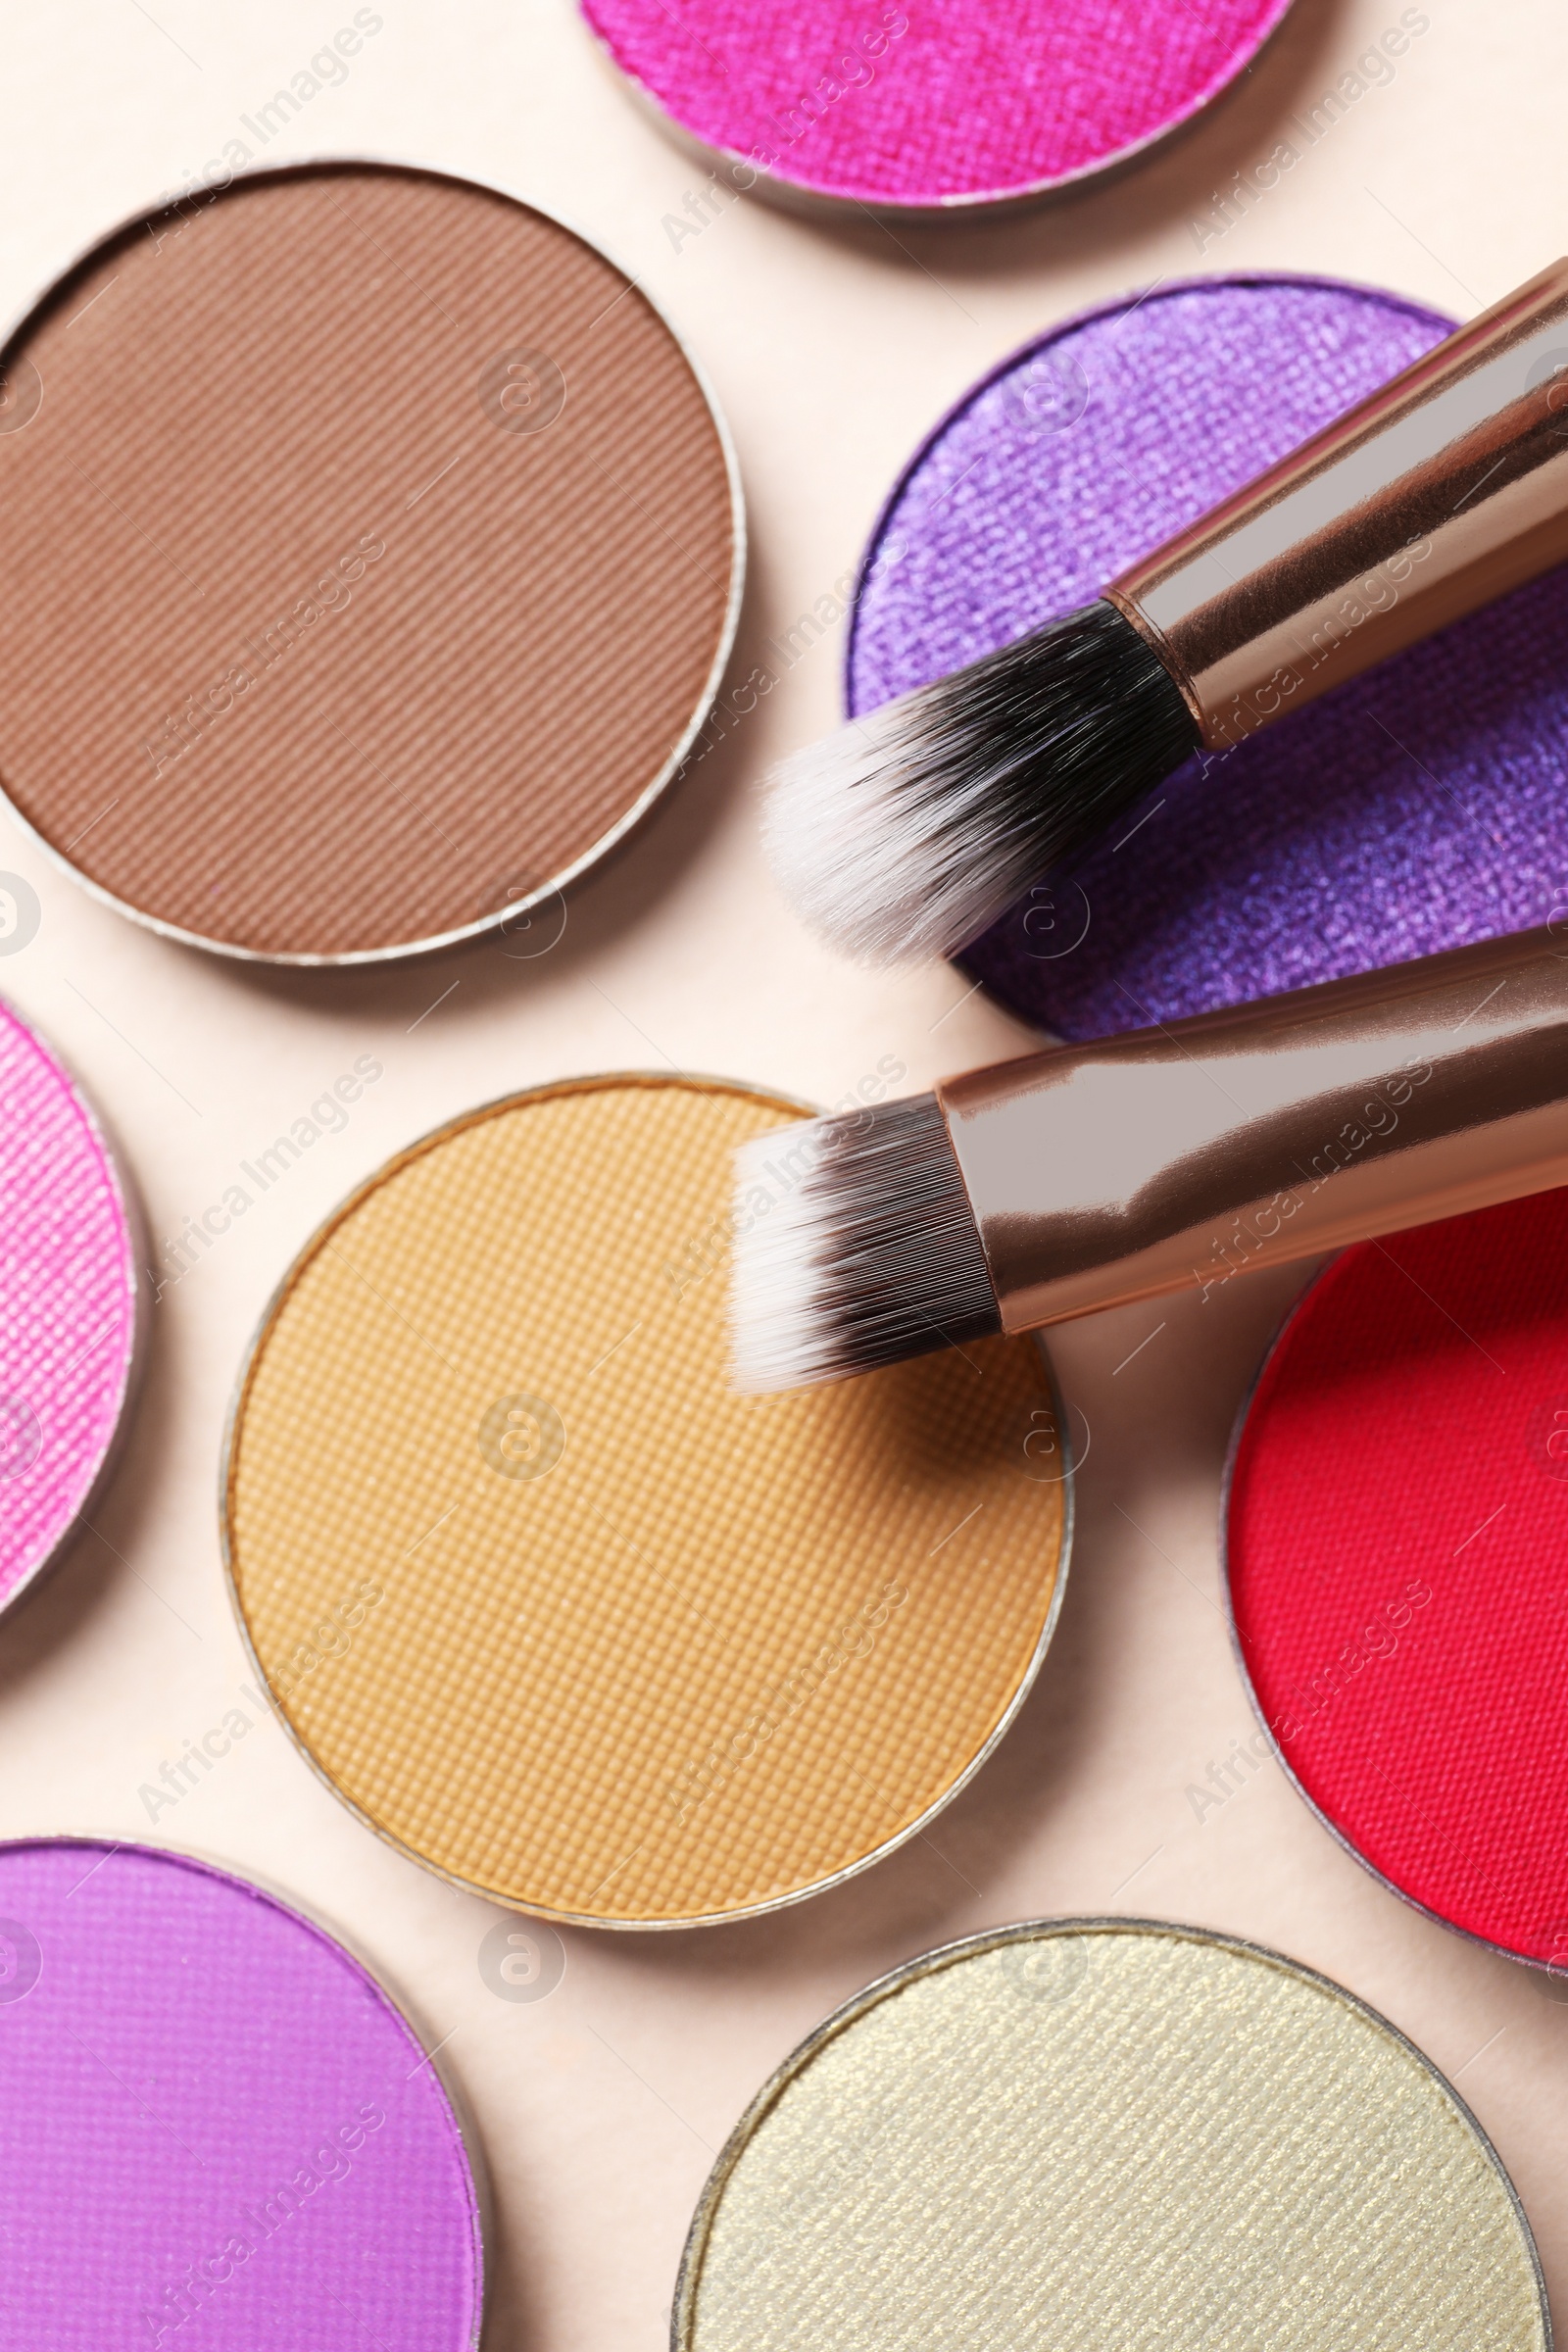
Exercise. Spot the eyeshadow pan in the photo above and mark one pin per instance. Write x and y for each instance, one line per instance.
(68, 1338)
(1417, 808)
(216, 2128)
(928, 111)
(550, 1606)
(1394, 1532)
(1103, 2133)
(371, 551)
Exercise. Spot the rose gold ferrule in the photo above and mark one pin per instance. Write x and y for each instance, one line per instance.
(1443, 491)
(1184, 1155)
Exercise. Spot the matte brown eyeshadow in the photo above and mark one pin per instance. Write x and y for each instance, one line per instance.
(367, 546)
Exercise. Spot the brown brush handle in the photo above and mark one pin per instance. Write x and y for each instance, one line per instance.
(1443, 491)
(1179, 1156)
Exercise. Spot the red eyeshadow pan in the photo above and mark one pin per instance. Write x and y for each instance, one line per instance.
(1396, 1541)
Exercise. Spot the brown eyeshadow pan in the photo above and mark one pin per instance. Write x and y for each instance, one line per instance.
(369, 550)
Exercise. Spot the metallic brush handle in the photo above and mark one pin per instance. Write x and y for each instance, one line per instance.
(1443, 491)
(1180, 1156)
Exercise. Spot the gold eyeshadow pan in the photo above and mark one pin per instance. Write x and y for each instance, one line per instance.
(1088, 2134)
(557, 1612)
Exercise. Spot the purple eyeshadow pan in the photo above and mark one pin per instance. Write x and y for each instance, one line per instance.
(1414, 809)
(216, 2132)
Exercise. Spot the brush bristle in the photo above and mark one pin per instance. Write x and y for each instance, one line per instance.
(909, 831)
(855, 1246)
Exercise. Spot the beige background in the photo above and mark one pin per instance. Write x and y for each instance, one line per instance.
(831, 349)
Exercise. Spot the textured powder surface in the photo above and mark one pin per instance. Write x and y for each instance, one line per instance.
(648, 1651)
(308, 650)
(1416, 808)
(1112, 2140)
(953, 100)
(1398, 1520)
(68, 1277)
(215, 2130)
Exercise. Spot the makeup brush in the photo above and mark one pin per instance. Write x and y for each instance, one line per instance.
(1169, 1158)
(910, 830)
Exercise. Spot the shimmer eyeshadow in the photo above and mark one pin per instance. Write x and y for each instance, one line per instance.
(73, 1301)
(1394, 1532)
(371, 552)
(550, 1606)
(1106, 2132)
(1419, 807)
(216, 2128)
(931, 109)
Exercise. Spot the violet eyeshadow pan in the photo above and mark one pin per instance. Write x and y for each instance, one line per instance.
(216, 2133)
(1414, 809)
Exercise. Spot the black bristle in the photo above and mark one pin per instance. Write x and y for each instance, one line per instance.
(920, 824)
(1070, 726)
(873, 1256)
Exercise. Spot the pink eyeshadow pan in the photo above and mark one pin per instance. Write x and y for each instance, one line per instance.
(216, 2132)
(69, 1281)
(931, 105)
